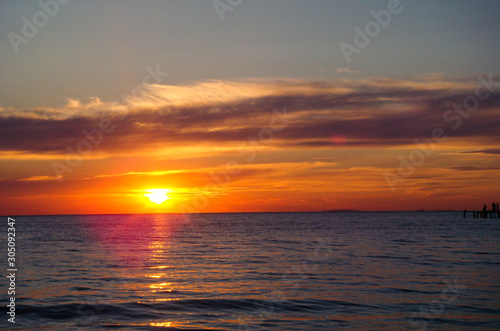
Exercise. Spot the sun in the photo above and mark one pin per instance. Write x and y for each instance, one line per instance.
(158, 195)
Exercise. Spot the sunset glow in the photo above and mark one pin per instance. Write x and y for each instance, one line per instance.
(232, 120)
(158, 196)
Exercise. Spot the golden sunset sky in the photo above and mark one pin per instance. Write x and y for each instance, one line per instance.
(257, 111)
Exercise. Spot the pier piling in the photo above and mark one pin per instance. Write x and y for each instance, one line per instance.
(494, 212)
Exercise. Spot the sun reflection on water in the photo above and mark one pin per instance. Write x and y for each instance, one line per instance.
(162, 285)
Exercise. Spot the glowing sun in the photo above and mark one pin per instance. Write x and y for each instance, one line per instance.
(158, 195)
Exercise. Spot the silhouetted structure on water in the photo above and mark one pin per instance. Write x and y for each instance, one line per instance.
(485, 213)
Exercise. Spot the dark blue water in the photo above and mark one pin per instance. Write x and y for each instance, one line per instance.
(276, 271)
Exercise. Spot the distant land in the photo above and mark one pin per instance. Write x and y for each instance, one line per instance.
(341, 211)
(382, 211)
(438, 210)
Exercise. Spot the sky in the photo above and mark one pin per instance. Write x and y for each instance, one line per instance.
(248, 106)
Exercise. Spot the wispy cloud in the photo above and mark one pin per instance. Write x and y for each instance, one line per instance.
(371, 112)
(36, 178)
(492, 151)
(344, 69)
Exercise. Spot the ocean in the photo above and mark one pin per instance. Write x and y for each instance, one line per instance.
(255, 271)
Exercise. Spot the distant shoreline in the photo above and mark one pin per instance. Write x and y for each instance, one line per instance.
(341, 211)
(253, 212)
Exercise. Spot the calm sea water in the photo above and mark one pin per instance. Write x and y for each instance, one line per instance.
(272, 271)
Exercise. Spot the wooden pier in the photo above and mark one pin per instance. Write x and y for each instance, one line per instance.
(494, 212)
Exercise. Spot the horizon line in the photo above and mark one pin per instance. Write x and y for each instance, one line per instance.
(248, 212)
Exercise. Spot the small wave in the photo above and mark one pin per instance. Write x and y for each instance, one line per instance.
(155, 310)
(407, 290)
(80, 288)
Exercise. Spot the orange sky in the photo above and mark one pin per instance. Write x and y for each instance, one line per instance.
(258, 145)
